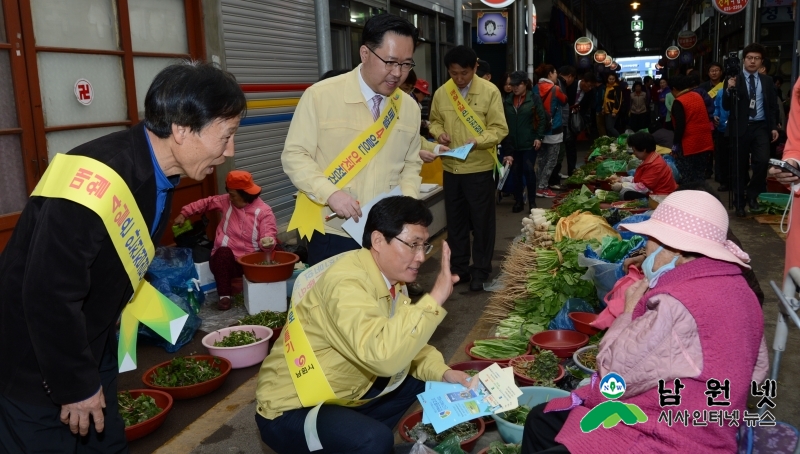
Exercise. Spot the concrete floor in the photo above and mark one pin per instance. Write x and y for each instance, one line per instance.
(229, 427)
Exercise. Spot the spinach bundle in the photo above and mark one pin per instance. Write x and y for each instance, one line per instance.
(500, 348)
(138, 410)
(186, 371)
(238, 339)
(265, 318)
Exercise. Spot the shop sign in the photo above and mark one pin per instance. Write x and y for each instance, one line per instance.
(673, 52)
(84, 92)
(497, 3)
(686, 58)
(583, 46)
(614, 66)
(638, 44)
(777, 14)
(607, 62)
(637, 25)
(492, 28)
(600, 56)
(687, 39)
(729, 6)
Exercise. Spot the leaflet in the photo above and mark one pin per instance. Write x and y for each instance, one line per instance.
(458, 153)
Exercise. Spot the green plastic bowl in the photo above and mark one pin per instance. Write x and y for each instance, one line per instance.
(531, 396)
(773, 197)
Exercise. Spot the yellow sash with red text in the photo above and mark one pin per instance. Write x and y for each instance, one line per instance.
(467, 116)
(307, 216)
(99, 188)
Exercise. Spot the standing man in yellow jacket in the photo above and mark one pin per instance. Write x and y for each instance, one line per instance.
(468, 109)
(354, 137)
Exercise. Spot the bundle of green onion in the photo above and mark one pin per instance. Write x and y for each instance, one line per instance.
(500, 348)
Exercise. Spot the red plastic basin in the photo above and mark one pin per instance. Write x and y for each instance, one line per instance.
(524, 380)
(196, 390)
(163, 401)
(561, 342)
(268, 273)
(582, 321)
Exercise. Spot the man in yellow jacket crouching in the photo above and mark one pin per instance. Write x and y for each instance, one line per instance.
(355, 343)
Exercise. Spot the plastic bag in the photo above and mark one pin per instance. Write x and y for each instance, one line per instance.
(562, 320)
(626, 235)
(603, 274)
(608, 168)
(450, 445)
(196, 240)
(616, 250)
(175, 264)
(676, 174)
(584, 226)
(576, 123)
(193, 323)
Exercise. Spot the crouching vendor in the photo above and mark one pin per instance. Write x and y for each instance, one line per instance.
(653, 176)
(355, 343)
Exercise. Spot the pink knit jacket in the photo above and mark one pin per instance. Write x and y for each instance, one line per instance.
(701, 321)
(240, 228)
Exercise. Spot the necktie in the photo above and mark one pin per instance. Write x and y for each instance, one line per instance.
(393, 292)
(752, 89)
(376, 106)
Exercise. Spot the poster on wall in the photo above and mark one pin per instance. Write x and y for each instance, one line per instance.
(492, 28)
(687, 39)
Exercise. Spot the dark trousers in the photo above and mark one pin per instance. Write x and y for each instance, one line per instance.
(692, 169)
(469, 200)
(611, 122)
(32, 428)
(540, 431)
(322, 247)
(225, 268)
(569, 148)
(753, 151)
(524, 167)
(722, 159)
(633, 195)
(358, 430)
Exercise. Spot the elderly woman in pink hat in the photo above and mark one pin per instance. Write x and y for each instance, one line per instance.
(692, 322)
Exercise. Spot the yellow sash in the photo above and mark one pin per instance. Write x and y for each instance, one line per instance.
(471, 120)
(307, 216)
(99, 188)
(714, 90)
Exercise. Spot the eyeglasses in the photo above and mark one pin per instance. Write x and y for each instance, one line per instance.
(392, 65)
(752, 58)
(426, 248)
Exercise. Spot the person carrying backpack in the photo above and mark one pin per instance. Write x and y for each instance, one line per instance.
(552, 100)
(526, 121)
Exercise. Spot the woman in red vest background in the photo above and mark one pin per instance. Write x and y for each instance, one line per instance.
(693, 140)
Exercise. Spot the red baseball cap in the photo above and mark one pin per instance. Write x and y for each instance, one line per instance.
(240, 179)
(423, 86)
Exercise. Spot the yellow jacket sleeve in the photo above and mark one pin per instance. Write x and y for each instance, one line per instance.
(496, 126)
(409, 176)
(427, 145)
(436, 127)
(429, 365)
(382, 345)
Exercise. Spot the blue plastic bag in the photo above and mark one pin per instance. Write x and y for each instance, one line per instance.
(193, 323)
(176, 266)
(562, 320)
(626, 235)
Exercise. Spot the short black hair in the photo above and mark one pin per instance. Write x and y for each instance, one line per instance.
(647, 79)
(248, 198)
(390, 215)
(642, 141)
(766, 64)
(483, 68)
(679, 82)
(544, 70)
(377, 26)
(411, 79)
(334, 73)
(191, 94)
(756, 49)
(567, 70)
(462, 56)
(518, 77)
(637, 83)
(715, 63)
(486, 24)
(694, 79)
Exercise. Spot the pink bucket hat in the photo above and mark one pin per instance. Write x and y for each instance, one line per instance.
(692, 221)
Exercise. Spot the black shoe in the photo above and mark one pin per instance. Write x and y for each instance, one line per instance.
(723, 188)
(414, 289)
(463, 278)
(476, 285)
(753, 203)
(518, 206)
(740, 213)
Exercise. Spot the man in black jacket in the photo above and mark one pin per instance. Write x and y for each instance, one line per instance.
(568, 83)
(63, 284)
(752, 125)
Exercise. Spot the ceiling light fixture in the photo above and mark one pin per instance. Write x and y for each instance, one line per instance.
(635, 5)
(636, 17)
(636, 33)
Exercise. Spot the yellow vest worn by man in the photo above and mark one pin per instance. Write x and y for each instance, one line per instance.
(485, 100)
(347, 317)
(332, 113)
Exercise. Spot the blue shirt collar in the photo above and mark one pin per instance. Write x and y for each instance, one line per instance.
(163, 183)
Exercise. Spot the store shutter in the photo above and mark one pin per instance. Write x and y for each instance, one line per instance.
(271, 48)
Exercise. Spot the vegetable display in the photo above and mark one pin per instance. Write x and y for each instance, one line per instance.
(186, 371)
(138, 410)
(498, 447)
(265, 318)
(588, 358)
(500, 348)
(542, 370)
(516, 416)
(237, 339)
(582, 200)
(463, 431)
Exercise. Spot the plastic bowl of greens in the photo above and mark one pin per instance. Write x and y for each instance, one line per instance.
(468, 432)
(586, 359)
(510, 423)
(186, 377)
(143, 411)
(270, 319)
(498, 349)
(243, 345)
(542, 369)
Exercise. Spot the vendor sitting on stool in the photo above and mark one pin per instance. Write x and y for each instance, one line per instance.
(653, 176)
(247, 226)
(365, 340)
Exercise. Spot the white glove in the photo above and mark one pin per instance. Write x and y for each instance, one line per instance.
(267, 242)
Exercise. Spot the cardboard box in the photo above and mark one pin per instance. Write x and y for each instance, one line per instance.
(207, 282)
(269, 296)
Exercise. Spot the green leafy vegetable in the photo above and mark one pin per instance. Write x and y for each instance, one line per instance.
(606, 196)
(138, 410)
(498, 447)
(237, 339)
(516, 416)
(582, 200)
(265, 318)
(463, 431)
(186, 371)
(500, 348)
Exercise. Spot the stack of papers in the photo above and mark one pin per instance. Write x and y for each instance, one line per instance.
(445, 405)
(458, 153)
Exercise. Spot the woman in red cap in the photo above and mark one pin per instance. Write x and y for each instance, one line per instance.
(247, 226)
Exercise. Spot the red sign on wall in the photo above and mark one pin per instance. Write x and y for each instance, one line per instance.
(687, 39)
(729, 6)
(84, 92)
